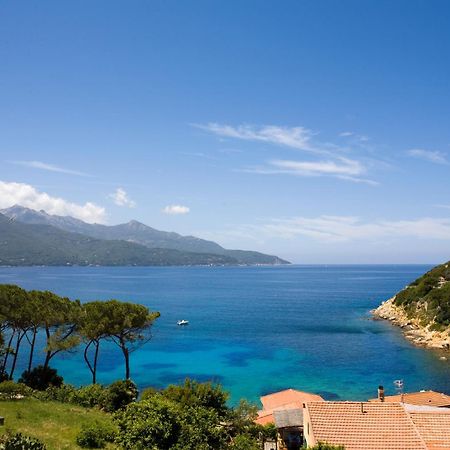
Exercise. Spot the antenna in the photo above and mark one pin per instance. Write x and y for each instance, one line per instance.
(399, 388)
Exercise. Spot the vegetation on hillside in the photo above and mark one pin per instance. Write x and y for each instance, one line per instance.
(30, 245)
(191, 416)
(170, 247)
(428, 298)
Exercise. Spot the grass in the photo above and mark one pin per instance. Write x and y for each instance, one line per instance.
(55, 424)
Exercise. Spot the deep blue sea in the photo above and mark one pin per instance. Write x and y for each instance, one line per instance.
(255, 329)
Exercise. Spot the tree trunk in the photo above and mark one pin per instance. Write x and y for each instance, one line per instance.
(126, 355)
(16, 354)
(94, 375)
(8, 351)
(33, 342)
(49, 353)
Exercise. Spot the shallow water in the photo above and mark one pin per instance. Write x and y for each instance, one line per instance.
(255, 329)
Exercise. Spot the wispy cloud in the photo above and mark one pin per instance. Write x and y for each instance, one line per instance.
(120, 198)
(343, 168)
(12, 193)
(49, 167)
(429, 155)
(442, 206)
(346, 228)
(176, 209)
(303, 139)
(298, 138)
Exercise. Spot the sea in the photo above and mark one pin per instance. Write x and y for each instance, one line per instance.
(254, 330)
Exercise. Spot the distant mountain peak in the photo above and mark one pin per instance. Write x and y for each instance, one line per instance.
(138, 232)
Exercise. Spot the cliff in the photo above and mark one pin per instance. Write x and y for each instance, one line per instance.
(422, 309)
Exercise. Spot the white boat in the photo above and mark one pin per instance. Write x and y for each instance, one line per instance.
(183, 322)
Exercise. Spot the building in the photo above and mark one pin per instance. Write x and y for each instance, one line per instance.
(377, 425)
(285, 410)
(422, 398)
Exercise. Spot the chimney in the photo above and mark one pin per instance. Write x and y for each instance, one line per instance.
(381, 393)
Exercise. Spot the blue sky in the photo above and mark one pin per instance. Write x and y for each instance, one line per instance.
(315, 130)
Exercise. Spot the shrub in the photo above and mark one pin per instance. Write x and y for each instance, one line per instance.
(149, 392)
(95, 435)
(245, 442)
(119, 394)
(89, 396)
(20, 442)
(40, 378)
(10, 390)
(65, 394)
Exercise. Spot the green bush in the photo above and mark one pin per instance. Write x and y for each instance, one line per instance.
(10, 390)
(20, 442)
(119, 394)
(64, 394)
(245, 442)
(89, 396)
(40, 378)
(95, 435)
(322, 446)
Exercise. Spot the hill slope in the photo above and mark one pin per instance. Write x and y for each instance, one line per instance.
(140, 233)
(422, 309)
(25, 245)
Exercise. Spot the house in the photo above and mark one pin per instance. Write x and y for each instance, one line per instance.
(422, 398)
(285, 410)
(377, 425)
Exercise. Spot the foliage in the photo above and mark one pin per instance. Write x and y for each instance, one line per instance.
(20, 442)
(194, 394)
(119, 394)
(192, 416)
(152, 424)
(245, 442)
(428, 297)
(109, 398)
(41, 377)
(10, 390)
(65, 324)
(95, 435)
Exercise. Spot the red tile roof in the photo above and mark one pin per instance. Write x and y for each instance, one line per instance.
(434, 427)
(429, 398)
(283, 400)
(363, 426)
(288, 396)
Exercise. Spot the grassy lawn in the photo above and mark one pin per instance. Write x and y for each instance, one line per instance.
(55, 424)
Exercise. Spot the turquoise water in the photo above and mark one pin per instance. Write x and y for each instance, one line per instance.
(255, 329)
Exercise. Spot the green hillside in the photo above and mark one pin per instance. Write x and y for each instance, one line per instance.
(428, 298)
(26, 245)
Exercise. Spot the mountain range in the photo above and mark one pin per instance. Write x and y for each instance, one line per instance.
(30, 237)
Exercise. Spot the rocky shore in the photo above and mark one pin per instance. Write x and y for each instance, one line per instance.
(412, 329)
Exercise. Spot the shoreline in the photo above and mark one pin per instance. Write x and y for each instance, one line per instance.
(412, 330)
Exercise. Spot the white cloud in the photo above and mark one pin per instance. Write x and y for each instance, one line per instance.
(429, 155)
(176, 209)
(343, 168)
(349, 228)
(120, 198)
(346, 134)
(442, 206)
(12, 193)
(49, 167)
(299, 138)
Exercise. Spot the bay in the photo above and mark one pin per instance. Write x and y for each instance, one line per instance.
(255, 330)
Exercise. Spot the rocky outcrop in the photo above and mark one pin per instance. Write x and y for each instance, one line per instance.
(412, 328)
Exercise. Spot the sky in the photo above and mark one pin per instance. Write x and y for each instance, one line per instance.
(314, 130)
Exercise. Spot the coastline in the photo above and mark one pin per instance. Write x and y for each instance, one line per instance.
(412, 329)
